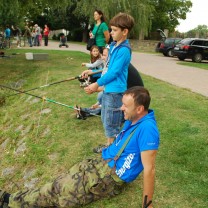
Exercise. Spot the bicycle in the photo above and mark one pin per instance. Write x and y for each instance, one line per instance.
(5, 43)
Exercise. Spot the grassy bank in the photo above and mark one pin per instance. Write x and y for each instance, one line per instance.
(202, 65)
(45, 138)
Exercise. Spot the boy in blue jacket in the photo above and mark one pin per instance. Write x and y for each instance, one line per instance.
(114, 80)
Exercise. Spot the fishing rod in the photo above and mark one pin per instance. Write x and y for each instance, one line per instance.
(50, 100)
(47, 85)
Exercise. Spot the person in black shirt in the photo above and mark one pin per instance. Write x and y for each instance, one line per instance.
(134, 78)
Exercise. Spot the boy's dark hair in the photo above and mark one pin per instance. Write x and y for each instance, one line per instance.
(141, 96)
(123, 21)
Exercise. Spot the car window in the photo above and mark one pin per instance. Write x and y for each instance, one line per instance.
(205, 43)
(186, 41)
(177, 40)
(198, 42)
(169, 41)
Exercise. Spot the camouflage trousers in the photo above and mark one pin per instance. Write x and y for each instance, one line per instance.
(85, 182)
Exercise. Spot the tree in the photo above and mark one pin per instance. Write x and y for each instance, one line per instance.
(9, 14)
(15, 12)
(141, 10)
(200, 31)
(168, 12)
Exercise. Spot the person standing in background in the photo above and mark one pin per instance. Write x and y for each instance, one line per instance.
(100, 30)
(40, 36)
(37, 34)
(33, 34)
(17, 34)
(28, 35)
(46, 33)
(7, 33)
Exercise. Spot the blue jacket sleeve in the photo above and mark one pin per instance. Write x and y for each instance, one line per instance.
(118, 62)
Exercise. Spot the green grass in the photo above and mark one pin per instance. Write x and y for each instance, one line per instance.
(202, 65)
(55, 141)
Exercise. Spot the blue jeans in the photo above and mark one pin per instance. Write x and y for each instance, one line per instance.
(29, 39)
(96, 111)
(99, 97)
(111, 114)
(36, 41)
(91, 111)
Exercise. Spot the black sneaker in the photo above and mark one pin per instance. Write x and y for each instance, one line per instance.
(99, 148)
(80, 114)
(3, 204)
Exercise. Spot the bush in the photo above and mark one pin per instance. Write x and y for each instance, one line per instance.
(76, 34)
(54, 37)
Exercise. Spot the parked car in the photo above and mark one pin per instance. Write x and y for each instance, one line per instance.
(166, 45)
(193, 48)
(162, 34)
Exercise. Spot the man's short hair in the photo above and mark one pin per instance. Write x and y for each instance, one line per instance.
(123, 21)
(141, 96)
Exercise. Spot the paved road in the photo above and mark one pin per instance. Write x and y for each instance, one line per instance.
(160, 67)
(167, 69)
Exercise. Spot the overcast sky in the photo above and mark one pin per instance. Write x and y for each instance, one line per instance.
(197, 16)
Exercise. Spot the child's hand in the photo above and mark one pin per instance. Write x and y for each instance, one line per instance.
(85, 73)
(88, 90)
(83, 64)
(90, 34)
(91, 88)
(95, 106)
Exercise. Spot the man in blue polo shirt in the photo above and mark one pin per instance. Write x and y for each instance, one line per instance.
(140, 153)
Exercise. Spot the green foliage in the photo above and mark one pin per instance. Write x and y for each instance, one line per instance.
(202, 65)
(76, 34)
(168, 12)
(140, 10)
(54, 37)
(9, 12)
(200, 31)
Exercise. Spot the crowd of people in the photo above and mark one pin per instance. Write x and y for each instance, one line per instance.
(33, 35)
(132, 136)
